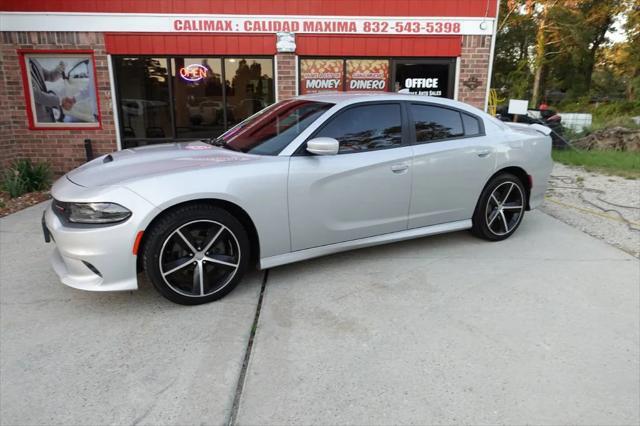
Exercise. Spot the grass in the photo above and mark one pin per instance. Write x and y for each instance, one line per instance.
(618, 163)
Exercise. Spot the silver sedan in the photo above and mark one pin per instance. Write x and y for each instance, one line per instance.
(302, 178)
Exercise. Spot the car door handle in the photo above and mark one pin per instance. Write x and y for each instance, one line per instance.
(399, 168)
(484, 153)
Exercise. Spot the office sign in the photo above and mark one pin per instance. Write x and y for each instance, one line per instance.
(427, 78)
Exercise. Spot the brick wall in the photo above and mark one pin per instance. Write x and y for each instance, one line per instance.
(62, 149)
(474, 62)
(286, 84)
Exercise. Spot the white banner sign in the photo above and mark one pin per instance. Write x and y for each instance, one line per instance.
(118, 22)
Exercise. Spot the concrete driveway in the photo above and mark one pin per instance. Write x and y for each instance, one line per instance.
(540, 329)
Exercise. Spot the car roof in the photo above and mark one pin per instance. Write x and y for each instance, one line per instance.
(342, 98)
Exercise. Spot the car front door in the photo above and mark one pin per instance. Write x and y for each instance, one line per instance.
(453, 159)
(362, 191)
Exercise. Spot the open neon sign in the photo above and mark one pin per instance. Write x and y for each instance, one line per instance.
(193, 72)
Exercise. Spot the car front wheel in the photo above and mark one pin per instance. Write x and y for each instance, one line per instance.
(196, 254)
(500, 208)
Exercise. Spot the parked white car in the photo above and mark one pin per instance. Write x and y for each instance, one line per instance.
(302, 178)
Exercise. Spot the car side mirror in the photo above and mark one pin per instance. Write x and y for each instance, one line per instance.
(323, 146)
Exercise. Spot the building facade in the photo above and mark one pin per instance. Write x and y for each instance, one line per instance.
(123, 74)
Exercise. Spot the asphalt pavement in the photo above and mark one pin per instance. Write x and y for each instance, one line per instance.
(543, 328)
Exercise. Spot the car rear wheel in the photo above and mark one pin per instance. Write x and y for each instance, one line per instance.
(196, 254)
(500, 208)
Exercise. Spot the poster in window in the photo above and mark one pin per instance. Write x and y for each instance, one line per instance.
(60, 88)
(428, 79)
(367, 75)
(321, 75)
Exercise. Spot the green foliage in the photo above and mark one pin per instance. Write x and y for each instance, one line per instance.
(577, 36)
(513, 71)
(620, 163)
(13, 184)
(563, 45)
(24, 176)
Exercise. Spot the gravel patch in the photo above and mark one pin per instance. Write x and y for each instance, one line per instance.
(606, 207)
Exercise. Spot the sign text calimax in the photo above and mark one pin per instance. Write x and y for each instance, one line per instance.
(202, 25)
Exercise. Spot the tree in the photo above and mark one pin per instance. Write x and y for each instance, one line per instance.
(516, 34)
(629, 63)
(558, 46)
(541, 49)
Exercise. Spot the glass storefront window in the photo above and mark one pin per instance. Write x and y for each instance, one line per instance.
(197, 94)
(249, 87)
(431, 76)
(143, 95)
(181, 98)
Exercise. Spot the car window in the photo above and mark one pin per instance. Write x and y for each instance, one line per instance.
(269, 131)
(434, 123)
(365, 128)
(471, 125)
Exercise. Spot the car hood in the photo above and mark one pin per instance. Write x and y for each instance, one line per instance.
(129, 164)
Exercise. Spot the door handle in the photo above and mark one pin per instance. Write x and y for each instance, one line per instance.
(399, 168)
(484, 153)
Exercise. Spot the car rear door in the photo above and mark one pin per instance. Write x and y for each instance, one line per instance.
(362, 191)
(453, 159)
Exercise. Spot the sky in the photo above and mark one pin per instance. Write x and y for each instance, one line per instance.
(618, 35)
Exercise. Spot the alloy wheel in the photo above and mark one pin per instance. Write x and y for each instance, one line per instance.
(504, 208)
(199, 258)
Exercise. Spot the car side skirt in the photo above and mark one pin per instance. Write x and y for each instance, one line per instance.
(297, 256)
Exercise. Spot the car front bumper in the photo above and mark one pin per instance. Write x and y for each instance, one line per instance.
(96, 258)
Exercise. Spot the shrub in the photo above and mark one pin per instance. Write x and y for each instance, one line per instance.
(13, 183)
(24, 176)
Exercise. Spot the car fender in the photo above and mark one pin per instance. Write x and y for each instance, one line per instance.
(262, 194)
(531, 152)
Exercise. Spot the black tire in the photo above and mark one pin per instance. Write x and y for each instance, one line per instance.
(491, 209)
(198, 225)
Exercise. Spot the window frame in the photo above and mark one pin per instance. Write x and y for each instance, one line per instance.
(301, 151)
(412, 123)
(153, 141)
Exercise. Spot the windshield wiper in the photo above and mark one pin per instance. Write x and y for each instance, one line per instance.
(220, 142)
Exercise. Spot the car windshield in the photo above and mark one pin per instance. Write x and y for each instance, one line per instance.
(269, 131)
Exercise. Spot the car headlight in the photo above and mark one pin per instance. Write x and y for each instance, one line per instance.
(92, 213)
